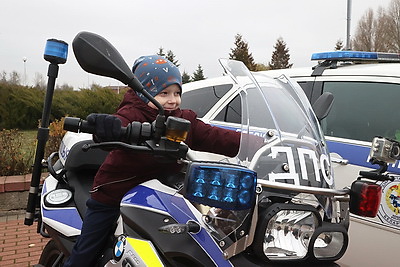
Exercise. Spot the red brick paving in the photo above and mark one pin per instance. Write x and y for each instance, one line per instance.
(20, 245)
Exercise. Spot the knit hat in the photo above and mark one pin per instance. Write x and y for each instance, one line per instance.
(156, 73)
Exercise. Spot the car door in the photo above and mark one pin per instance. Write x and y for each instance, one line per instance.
(362, 110)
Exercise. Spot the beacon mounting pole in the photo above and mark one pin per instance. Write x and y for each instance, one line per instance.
(56, 52)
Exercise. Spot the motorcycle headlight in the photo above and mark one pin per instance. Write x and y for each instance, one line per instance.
(329, 242)
(289, 232)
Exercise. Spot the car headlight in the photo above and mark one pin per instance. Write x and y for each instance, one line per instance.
(289, 232)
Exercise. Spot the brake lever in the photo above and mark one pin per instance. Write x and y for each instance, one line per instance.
(113, 145)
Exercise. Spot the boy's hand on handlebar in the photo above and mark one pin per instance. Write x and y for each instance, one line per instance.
(108, 127)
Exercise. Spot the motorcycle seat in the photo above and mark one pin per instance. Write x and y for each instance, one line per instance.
(81, 168)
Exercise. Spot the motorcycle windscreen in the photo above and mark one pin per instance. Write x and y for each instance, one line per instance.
(281, 137)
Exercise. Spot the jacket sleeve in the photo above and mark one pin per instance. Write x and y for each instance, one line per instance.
(207, 138)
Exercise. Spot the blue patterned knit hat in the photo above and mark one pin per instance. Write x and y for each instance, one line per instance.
(156, 73)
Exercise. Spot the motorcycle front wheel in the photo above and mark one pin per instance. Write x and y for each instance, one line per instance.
(51, 255)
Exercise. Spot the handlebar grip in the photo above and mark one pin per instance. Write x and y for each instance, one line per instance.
(78, 125)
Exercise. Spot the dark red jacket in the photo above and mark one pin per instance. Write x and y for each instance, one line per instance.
(122, 170)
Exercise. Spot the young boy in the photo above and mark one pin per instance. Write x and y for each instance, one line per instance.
(123, 170)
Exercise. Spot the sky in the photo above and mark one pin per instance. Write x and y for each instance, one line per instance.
(197, 32)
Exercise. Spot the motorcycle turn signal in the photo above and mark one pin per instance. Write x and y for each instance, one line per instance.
(177, 228)
(177, 129)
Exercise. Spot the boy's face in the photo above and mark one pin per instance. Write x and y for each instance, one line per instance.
(169, 98)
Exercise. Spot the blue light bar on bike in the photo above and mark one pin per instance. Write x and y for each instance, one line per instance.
(220, 185)
(56, 51)
(356, 56)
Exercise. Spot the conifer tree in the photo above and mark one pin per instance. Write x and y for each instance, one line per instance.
(186, 77)
(170, 56)
(161, 52)
(198, 74)
(241, 53)
(280, 57)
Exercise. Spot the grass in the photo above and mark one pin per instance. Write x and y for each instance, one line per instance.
(29, 142)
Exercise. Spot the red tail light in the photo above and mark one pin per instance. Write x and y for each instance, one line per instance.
(365, 198)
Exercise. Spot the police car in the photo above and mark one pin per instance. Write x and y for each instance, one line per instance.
(366, 89)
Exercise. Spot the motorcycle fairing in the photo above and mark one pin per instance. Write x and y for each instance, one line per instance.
(148, 196)
(63, 219)
(134, 252)
(68, 141)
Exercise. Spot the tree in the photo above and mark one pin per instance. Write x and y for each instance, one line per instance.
(170, 56)
(3, 76)
(393, 25)
(364, 36)
(339, 45)
(186, 77)
(241, 53)
(14, 78)
(198, 74)
(380, 30)
(280, 57)
(161, 52)
(261, 67)
(39, 82)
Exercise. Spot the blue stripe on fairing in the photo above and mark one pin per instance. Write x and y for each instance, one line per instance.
(69, 216)
(178, 209)
(357, 155)
(65, 216)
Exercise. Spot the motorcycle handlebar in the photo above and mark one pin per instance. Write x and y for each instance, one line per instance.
(132, 137)
(132, 134)
(78, 125)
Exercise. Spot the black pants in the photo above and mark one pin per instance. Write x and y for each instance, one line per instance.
(98, 222)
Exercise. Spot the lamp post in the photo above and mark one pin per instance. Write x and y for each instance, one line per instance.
(348, 46)
(24, 59)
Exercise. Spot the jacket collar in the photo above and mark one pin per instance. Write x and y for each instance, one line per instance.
(131, 98)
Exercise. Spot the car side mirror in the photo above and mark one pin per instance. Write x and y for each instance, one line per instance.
(323, 105)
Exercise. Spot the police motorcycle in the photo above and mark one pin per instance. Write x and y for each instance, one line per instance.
(275, 202)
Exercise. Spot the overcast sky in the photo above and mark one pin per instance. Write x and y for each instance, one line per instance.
(198, 32)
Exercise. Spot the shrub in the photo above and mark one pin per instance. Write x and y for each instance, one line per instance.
(56, 134)
(14, 160)
(16, 155)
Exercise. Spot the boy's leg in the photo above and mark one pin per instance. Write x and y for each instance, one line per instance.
(97, 224)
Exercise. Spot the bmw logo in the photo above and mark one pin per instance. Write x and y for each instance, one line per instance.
(119, 247)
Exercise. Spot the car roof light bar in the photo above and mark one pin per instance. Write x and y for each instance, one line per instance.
(356, 56)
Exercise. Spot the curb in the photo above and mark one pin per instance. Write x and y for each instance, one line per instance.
(14, 191)
(18, 183)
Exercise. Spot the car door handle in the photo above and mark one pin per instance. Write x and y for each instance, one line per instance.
(336, 158)
(340, 161)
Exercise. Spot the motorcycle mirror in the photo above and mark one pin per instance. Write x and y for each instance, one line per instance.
(323, 105)
(98, 56)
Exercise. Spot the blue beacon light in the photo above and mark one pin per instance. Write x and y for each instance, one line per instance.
(356, 55)
(56, 51)
(222, 186)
